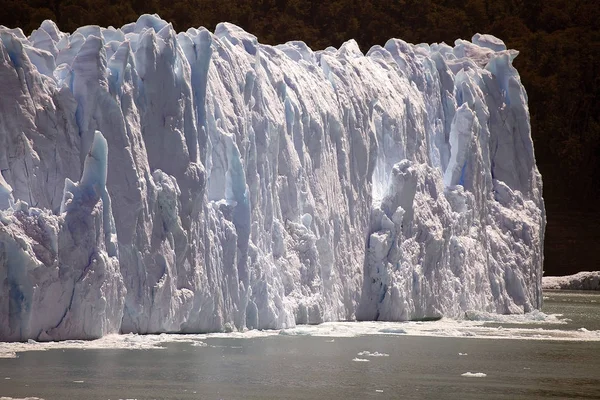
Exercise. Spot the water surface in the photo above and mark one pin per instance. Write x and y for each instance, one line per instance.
(297, 366)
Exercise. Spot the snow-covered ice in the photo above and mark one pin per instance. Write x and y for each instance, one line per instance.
(580, 281)
(154, 181)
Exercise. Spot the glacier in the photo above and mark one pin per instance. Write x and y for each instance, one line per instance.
(154, 181)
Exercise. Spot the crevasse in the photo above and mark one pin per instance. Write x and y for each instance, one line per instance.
(224, 184)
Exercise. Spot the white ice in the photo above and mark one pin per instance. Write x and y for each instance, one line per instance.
(224, 184)
(474, 375)
(22, 398)
(372, 354)
(580, 281)
(443, 328)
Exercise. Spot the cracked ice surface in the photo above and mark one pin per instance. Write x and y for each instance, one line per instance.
(224, 184)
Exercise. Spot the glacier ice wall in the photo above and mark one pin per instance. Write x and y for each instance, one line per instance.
(224, 184)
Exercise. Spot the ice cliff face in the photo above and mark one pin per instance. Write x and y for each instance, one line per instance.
(224, 184)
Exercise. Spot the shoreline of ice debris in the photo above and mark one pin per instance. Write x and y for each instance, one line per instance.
(444, 328)
(584, 280)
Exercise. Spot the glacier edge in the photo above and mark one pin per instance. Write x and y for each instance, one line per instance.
(226, 184)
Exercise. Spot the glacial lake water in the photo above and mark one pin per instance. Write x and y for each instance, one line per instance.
(555, 357)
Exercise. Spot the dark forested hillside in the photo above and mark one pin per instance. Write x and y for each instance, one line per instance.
(559, 41)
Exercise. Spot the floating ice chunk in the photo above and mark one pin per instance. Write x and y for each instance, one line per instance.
(20, 398)
(527, 318)
(374, 354)
(474, 375)
(8, 354)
